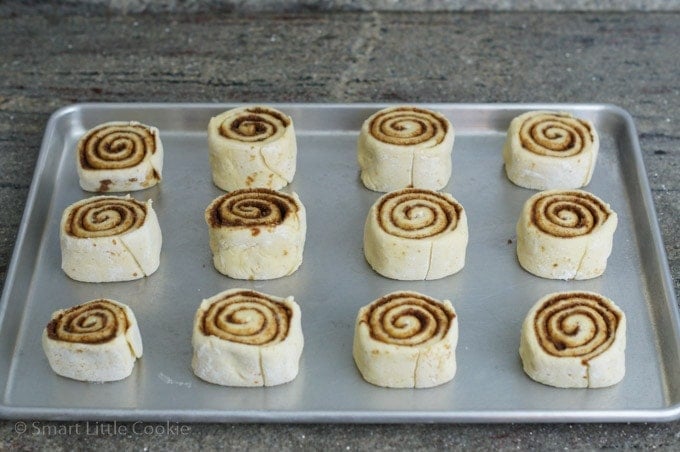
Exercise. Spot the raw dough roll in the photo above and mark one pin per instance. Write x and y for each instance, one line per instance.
(415, 234)
(565, 234)
(406, 340)
(246, 338)
(252, 147)
(405, 147)
(110, 238)
(120, 156)
(256, 233)
(545, 150)
(95, 341)
(574, 340)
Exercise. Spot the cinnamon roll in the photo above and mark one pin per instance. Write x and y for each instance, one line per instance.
(545, 150)
(110, 238)
(406, 340)
(120, 156)
(256, 233)
(247, 338)
(565, 234)
(252, 147)
(405, 146)
(95, 341)
(574, 340)
(415, 234)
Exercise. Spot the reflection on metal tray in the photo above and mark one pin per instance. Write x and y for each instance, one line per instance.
(491, 294)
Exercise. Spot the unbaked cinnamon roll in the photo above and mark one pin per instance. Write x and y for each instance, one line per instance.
(256, 233)
(252, 147)
(574, 340)
(406, 340)
(247, 338)
(95, 341)
(565, 234)
(415, 234)
(405, 146)
(545, 150)
(120, 156)
(110, 238)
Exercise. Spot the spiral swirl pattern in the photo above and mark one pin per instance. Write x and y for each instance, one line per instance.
(576, 324)
(254, 124)
(247, 317)
(415, 213)
(557, 135)
(409, 126)
(105, 217)
(116, 146)
(251, 208)
(94, 322)
(568, 213)
(408, 319)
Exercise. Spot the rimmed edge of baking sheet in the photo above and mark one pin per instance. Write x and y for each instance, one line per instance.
(664, 313)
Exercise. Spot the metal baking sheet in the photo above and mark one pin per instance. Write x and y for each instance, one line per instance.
(491, 294)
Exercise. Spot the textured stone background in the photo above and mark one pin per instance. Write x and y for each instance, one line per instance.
(385, 5)
(52, 57)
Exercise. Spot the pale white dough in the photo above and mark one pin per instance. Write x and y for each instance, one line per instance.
(587, 360)
(130, 255)
(566, 159)
(260, 150)
(429, 242)
(111, 360)
(232, 363)
(555, 256)
(417, 359)
(407, 155)
(139, 174)
(256, 250)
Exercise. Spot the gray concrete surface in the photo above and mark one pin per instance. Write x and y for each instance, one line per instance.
(383, 5)
(51, 58)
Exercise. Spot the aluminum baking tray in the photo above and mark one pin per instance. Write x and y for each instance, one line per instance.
(491, 294)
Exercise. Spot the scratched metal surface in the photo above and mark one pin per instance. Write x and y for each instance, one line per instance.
(491, 294)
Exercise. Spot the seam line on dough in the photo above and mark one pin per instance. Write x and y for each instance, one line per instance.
(415, 370)
(591, 163)
(266, 165)
(264, 376)
(580, 262)
(429, 261)
(413, 161)
(127, 248)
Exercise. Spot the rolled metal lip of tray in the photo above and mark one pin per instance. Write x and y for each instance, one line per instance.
(491, 295)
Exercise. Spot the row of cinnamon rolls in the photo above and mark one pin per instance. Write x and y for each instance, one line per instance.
(402, 340)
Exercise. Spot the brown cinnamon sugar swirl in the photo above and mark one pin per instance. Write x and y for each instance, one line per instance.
(247, 317)
(109, 238)
(405, 146)
(574, 339)
(251, 147)
(120, 156)
(565, 234)
(95, 341)
(546, 150)
(247, 338)
(256, 233)
(406, 339)
(414, 234)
